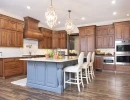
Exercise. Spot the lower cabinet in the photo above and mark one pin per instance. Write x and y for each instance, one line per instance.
(51, 79)
(41, 73)
(99, 62)
(109, 67)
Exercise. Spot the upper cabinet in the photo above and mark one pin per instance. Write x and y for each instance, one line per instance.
(31, 29)
(46, 42)
(9, 32)
(122, 31)
(105, 36)
(87, 39)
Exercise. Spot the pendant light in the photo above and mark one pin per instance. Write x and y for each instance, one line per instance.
(69, 25)
(51, 17)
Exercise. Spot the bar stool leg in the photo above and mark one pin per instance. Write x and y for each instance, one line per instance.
(82, 79)
(70, 77)
(78, 81)
(86, 76)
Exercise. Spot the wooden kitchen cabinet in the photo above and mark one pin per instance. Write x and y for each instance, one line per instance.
(63, 39)
(122, 31)
(105, 37)
(11, 67)
(87, 39)
(98, 62)
(11, 32)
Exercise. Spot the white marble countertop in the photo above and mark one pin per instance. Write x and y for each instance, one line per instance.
(50, 60)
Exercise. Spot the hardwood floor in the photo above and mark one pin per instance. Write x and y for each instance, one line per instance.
(105, 86)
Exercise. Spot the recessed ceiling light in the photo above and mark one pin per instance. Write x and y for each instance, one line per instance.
(28, 7)
(114, 13)
(83, 18)
(59, 22)
(114, 1)
(128, 14)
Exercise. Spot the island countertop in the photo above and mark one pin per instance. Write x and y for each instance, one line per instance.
(67, 58)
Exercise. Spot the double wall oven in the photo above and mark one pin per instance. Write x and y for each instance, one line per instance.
(122, 54)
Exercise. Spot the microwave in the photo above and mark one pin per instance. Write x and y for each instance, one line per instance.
(122, 47)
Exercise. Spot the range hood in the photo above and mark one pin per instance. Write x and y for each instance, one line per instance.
(31, 30)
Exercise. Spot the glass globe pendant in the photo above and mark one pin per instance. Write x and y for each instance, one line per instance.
(69, 25)
(51, 17)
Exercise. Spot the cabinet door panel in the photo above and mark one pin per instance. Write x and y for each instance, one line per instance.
(83, 44)
(111, 30)
(99, 41)
(118, 32)
(19, 27)
(31, 72)
(12, 38)
(126, 31)
(111, 40)
(4, 23)
(40, 73)
(12, 25)
(19, 39)
(105, 41)
(99, 63)
(51, 75)
(4, 37)
(90, 43)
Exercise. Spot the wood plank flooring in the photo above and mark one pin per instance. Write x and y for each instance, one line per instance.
(105, 86)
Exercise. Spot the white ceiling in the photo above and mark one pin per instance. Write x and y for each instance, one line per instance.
(93, 10)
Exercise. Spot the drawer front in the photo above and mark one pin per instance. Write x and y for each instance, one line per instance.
(109, 67)
(122, 68)
(8, 59)
(13, 65)
(15, 71)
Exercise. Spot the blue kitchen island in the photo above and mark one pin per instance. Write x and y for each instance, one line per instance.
(47, 74)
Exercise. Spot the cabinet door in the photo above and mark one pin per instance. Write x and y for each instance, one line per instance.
(90, 43)
(126, 31)
(4, 37)
(19, 27)
(12, 25)
(105, 41)
(111, 30)
(82, 31)
(83, 44)
(55, 43)
(89, 31)
(12, 38)
(51, 75)
(4, 23)
(40, 73)
(118, 32)
(99, 63)
(111, 41)
(49, 43)
(31, 71)
(19, 39)
(99, 41)
(99, 31)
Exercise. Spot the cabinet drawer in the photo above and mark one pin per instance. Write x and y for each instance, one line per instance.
(15, 71)
(109, 67)
(123, 68)
(13, 65)
(8, 59)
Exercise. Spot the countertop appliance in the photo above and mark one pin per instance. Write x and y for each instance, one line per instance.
(122, 54)
(108, 60)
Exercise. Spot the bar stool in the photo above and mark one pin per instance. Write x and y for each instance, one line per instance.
(77, 69)
(91, 70)
(86, 68)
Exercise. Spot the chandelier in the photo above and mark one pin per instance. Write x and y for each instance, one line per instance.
(69, 25)
(51, 17)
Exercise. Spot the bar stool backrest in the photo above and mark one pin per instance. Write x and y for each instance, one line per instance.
(93, 56)
(88, 57)
(80, 60)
